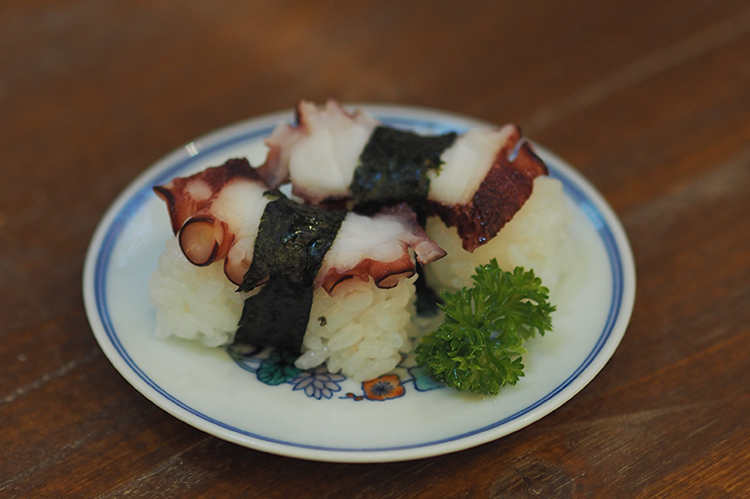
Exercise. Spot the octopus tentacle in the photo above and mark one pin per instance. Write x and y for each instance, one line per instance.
(317, 153)
(204, 239)
(216, 215)
(378, 247)
(505, 188)
(484, 179)
(209, 211)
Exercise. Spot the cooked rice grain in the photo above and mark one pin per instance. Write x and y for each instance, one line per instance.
(361, 330)
(536, 237)
(194, 303)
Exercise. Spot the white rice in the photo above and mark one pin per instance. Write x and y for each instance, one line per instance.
(361, 330)
(536, 237)
(194, 303)
(365, 332)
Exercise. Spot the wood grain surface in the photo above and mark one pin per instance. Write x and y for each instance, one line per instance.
(649, 100)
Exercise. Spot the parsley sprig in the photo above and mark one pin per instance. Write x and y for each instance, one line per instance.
(479, 345)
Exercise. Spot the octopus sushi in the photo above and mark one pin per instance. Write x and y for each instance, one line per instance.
(481, 194)
(249, 266)
(330, 273)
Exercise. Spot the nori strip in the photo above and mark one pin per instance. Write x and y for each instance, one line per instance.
(289, 249)
(277, 316)
(393, 168)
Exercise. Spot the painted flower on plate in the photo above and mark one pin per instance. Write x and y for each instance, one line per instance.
(318, 383)
(423, 382)
(384, 387)
(278, 368)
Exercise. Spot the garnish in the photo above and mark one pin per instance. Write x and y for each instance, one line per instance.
(479, 345)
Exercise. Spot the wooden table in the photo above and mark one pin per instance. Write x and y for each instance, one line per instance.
(649, 100)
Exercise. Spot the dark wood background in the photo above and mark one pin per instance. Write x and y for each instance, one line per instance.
(650, 100)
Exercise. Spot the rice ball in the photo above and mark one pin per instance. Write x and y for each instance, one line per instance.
(535, 238)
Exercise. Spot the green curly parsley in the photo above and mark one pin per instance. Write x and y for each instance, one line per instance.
(479, 346)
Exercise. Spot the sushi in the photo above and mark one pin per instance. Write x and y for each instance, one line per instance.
(263, 262)
(475, 181)
(482, 194)
(331, 272)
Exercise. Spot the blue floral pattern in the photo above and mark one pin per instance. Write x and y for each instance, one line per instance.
(276, 367)
(318, 383)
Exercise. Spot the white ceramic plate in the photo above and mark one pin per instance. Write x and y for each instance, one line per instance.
(327, 418)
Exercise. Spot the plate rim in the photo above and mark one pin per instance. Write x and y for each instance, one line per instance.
(225, 137)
